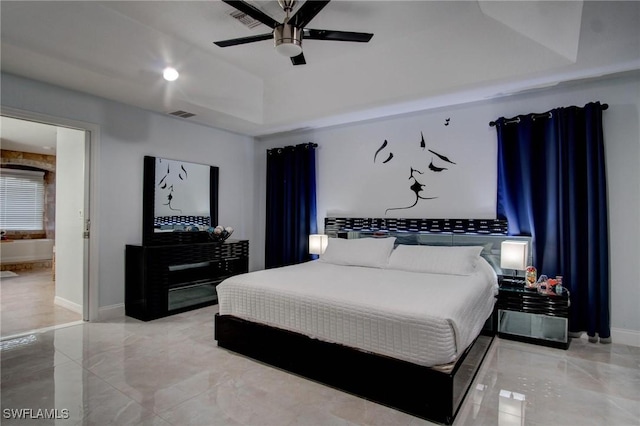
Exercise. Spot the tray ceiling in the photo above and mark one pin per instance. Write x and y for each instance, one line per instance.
(423, 54)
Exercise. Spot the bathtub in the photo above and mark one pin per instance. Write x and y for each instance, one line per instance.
(18, 251)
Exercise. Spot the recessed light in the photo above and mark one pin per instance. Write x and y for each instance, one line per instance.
(170, 74)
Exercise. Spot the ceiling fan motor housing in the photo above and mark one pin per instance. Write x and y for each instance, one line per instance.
(288, 40)
(287, 5)
(288, 34)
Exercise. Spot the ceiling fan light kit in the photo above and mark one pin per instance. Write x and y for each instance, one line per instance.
(287, 35)
(288, 40)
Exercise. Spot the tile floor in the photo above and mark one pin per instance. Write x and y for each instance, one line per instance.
(26, 303)
(170, 372)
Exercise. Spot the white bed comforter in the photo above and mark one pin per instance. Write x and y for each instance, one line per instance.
(426, 319)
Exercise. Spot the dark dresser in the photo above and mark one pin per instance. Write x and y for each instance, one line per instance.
(162, 280)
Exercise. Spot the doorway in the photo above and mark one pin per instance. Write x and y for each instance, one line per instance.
(60, 291)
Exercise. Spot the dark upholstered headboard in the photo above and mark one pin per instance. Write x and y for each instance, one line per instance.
(457, 226)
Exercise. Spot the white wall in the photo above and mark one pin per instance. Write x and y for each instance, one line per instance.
(351, 184)
(127, 134)
(69, 246)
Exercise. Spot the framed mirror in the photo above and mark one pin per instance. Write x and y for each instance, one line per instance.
(180, 201)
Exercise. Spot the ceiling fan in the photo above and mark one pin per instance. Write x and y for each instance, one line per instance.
(288, 34)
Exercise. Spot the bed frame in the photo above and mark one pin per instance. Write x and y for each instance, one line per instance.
(429, 393)
(417, 390)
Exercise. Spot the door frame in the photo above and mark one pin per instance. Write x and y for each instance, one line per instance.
(90, 305)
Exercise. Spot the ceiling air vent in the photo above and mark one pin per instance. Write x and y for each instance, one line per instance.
(244, 19)
(182, 114)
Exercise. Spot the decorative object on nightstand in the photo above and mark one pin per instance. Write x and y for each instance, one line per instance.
(531, 277)
(318, 243)
(542, 284)
(513, 255)
(559, 287)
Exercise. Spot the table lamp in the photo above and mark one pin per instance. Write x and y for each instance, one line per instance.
(318, 243)
(513, 255)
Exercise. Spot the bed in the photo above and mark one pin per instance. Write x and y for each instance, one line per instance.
(405, 325)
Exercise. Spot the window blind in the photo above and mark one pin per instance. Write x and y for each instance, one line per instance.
(21, 200)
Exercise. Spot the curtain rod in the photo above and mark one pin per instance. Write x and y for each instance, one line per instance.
(546, 114)
(305, 145)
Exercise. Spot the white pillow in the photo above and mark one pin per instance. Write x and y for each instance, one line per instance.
(456, 260)
(371, 252)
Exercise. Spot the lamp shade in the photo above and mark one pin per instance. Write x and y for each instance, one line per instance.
(318, 243)
(514, 254)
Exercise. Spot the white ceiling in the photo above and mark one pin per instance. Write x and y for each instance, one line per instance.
(27, 136)
(424, 54)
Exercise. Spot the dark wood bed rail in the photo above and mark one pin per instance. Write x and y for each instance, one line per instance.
(420, 391)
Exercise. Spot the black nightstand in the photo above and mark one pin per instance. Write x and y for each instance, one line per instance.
(528, 316)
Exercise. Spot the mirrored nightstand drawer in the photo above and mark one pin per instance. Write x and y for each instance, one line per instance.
(544, 329)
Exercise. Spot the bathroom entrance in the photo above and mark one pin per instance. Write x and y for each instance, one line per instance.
(44, 251)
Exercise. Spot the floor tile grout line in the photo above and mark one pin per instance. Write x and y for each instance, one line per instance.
(42, 330)
(130, 399)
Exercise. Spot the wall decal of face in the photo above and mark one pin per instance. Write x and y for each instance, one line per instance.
(417, 170)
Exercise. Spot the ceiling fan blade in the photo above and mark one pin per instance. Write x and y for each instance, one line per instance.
(336, 35)
(243, 40)
(307, 12)
(298, 60)
(254, 12)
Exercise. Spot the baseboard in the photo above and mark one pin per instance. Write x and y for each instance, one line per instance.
(68, 304)
(111, 312)
(625, 337)
(25, 259)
